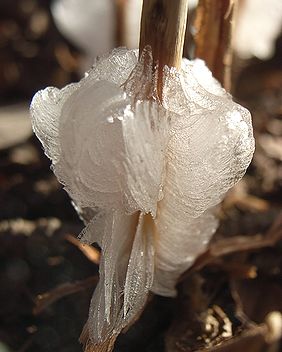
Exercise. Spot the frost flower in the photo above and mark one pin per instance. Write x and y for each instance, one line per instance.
(144, 176)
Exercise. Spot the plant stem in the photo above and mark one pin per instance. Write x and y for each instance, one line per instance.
(214, 25)
(163, 25)
(120, 22)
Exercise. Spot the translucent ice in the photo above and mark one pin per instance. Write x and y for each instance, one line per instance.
(144, 175)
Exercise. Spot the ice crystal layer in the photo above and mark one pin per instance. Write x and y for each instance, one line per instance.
(144, 176)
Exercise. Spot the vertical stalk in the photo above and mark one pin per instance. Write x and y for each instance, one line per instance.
(120, 22)
(163, 26)
(214, 24)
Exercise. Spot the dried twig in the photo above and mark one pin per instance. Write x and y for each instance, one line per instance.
(90, 252)
(27, 345)
(235, 245)
(46, 299)
(90, 347)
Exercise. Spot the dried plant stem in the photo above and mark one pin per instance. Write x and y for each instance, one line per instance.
(120, 22)
(163, 26)
(46, 299)
(214, 24)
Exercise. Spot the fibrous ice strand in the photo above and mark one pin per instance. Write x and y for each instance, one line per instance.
(144, 176)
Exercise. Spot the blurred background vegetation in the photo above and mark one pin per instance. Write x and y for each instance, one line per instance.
(229, 297)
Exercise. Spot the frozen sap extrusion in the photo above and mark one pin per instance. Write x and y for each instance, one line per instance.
(144, 175)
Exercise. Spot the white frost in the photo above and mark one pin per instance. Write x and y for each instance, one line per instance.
(145, 177)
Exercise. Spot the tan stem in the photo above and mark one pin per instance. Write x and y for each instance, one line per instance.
(120, 22)
(214, 25)
(163, 26)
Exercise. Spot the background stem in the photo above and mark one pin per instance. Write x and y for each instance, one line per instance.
(120, 22)
(214, 25)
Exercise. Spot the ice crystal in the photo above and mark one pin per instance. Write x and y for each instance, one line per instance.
(144, 176)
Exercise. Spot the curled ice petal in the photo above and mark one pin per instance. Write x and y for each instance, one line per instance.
(126, 273)
(144, 176)
(45, 110)
(145, 134)
(211, 146)
(106, 308)
(140, 272)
